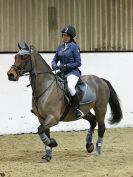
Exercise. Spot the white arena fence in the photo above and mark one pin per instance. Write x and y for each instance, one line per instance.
(15, 97)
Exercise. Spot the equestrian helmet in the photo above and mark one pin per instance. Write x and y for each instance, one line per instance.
(70, 30)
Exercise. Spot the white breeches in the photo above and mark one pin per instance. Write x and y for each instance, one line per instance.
(72, 81)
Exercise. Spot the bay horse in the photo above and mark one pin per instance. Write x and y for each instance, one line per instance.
(48, 102)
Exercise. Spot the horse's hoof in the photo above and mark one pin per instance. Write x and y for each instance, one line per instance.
(89, 147)
(53, 143)
(95, 153)
(46, 158)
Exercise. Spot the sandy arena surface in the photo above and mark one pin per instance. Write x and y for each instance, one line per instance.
(20, 155)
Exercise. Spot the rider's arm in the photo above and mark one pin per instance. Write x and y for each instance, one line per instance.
(77, 58)
(55, 60)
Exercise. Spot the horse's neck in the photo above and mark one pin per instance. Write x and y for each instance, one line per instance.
(40, 82)
(39, 64)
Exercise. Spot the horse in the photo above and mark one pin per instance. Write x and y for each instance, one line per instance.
(49, 104)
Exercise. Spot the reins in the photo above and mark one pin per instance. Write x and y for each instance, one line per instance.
(40, 73)
(34, 74)
(43, 92)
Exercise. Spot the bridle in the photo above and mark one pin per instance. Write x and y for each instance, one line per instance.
(21, 68)
(35, 74)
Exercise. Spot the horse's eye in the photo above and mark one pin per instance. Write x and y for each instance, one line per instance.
(25, 57)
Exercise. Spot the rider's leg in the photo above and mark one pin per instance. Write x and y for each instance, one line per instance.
(72, 81)
(79, 113)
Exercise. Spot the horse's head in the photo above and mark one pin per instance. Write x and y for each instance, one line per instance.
(22, 64)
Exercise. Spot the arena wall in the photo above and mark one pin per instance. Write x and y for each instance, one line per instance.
(15, 97)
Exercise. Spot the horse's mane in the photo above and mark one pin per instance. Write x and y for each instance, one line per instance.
(37, 55)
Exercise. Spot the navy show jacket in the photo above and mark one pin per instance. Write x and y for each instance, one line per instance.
(69, 57)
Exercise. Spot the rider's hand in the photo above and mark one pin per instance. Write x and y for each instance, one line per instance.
(55, 67)
(63, 67)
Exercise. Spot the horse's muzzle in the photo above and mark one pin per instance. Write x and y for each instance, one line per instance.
(11, 77)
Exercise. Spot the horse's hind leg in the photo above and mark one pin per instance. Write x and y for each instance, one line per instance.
(92, 120)
(100, 115)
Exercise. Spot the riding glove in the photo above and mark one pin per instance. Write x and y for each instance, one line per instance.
(55, 67)
(63, 67)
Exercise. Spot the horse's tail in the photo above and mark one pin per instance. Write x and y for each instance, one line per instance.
(115, 106)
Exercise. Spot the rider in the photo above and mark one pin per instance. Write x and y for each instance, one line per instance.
(68, 54)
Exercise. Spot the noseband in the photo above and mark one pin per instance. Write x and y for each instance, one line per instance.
(21, 68)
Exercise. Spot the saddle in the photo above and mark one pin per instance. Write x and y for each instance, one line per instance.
(83, 90)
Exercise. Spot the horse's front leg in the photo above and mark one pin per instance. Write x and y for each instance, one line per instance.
(45, 138)
(44, 133)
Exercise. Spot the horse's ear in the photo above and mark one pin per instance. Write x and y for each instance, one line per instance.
(19, 46)
(26, 46)
(32, 47)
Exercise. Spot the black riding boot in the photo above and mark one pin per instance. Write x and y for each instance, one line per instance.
(76, 106)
